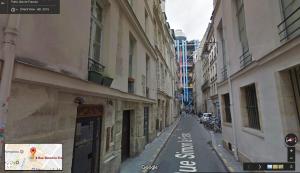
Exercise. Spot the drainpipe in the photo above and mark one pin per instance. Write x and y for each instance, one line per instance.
(232, 112)
(8, 55)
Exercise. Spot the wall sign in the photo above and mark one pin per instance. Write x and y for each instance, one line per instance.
(90, 110)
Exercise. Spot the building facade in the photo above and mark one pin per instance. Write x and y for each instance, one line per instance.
(198, 77)
(210, 66)
(91, 79)
(166, 69)
(184, 55)
(259, 73)
(205, 85)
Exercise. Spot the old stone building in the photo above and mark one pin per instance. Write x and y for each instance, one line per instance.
(88, 76)
(209, 63)
(259, 76)
(166, 68)
(198, 77)
(205, 85)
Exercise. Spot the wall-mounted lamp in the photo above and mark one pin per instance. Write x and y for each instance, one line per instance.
(79, 100)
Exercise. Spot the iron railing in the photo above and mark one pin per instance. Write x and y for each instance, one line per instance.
(252, 107)
(289, 27)
(245, 59)
(95, 66)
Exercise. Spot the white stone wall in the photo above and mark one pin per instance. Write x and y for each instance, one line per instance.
(270, 57)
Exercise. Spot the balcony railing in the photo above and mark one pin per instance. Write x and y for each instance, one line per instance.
(96, 73)
(290, 26)
(224, 73)
(245, 59)
(95, 66)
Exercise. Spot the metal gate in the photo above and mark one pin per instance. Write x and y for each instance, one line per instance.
(125, 147)
(86, 145)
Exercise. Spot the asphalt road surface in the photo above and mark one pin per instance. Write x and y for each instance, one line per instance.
(187, 150)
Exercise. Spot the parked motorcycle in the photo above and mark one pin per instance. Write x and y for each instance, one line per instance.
(217, 125)
(205, 117)
(212, 123)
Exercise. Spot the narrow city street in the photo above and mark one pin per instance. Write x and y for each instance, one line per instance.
(188, 150)
(106, 89)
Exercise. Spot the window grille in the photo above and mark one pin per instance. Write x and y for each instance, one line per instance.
(252, 107)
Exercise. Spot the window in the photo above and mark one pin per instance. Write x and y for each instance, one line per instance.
(147, 75)
(132, 44)
(289, 27)
(131, 55)
(241, 24)
(112, 134)
(96, 31)
(144, 84)
(166, 75)
(295, 83)
(250, 107)
(224, 66)
(155, 33)
(158, 74)
(226, 102)
(162, 76)
(108, 138)
(246, 57)
(131, 86)
(146, 22)
(289, 92)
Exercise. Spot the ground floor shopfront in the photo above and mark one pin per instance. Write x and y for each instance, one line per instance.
(97, 131)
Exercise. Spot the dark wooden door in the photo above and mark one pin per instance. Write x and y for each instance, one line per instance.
(146, 123)
(125, 135)
(86, 145)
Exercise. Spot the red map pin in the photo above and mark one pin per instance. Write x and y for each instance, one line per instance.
(33, 151)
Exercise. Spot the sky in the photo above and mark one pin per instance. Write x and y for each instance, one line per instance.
(192, 16)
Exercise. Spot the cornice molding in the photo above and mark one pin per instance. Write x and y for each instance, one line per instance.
(45, 77)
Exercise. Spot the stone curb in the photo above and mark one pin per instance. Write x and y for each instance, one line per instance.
(163, 145)
(224, 161)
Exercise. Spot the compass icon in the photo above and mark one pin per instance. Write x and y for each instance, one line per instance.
(291, 139)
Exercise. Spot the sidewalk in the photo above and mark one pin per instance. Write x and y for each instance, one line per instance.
(227, 158)
(151, 151)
